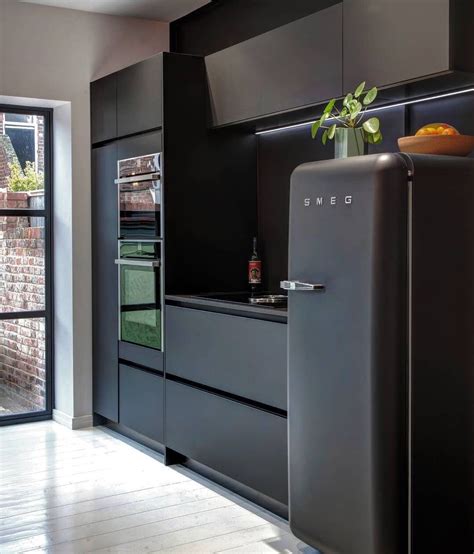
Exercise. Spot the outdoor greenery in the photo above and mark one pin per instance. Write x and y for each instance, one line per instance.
(350, 115)
(23, 180)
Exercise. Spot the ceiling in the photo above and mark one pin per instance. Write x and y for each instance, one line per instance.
(162, 10)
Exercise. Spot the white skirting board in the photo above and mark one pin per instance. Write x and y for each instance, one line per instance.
(79, 422)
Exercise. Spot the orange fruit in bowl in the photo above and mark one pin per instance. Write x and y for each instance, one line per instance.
(437, 129)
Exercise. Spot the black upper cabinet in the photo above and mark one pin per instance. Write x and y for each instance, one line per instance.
(295, 65)
(104, 108)
(128, 101)
(139, 96)
(140, 145)
(387, 42)
(105, 288)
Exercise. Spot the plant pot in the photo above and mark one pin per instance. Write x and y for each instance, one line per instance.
(349, 142)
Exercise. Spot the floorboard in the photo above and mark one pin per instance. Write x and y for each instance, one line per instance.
(94, 491)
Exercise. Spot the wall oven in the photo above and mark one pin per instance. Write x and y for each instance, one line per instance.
(140, 252)
(139, 197)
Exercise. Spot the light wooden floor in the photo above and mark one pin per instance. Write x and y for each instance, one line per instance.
(84, 491)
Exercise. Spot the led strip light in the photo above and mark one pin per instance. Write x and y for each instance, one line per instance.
(371, 110)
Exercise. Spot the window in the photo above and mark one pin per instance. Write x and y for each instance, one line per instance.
(26, 133)
(25, 265)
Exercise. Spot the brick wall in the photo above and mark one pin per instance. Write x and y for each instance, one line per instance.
(22, 287)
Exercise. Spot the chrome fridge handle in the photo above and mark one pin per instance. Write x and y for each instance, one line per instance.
(298, 285)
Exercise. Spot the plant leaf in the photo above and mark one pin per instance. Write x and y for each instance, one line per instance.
(370, 96)
(359, 90)
(343, 112)
(347, 99)
(323, 118)
(372, 125)
(328, 109)
(325, 137)
(378, 137)
(314, 128)
(356, 108)
(332, 131)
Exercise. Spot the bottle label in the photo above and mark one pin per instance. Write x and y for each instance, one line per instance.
(255, 272)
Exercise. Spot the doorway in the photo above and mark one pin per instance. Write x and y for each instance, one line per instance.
(26, 299)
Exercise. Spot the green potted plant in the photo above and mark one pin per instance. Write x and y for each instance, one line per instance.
(346, 123)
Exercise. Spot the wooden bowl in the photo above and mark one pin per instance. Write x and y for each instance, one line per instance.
(454, 145)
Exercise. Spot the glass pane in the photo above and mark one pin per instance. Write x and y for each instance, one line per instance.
(19, 118)
(22, 267)
(150, 250)
(140, 306)
(140, 209)
(22, 366)
(22, 146)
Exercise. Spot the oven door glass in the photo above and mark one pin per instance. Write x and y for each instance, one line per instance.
(140, 294)
(140, 209)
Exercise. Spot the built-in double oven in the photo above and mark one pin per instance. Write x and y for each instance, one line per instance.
(140, 251)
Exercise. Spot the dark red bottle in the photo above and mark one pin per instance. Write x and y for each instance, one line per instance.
(255, 269)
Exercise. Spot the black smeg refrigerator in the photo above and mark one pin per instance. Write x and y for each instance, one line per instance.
(381, 354)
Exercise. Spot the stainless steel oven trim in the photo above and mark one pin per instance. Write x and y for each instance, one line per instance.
(138, 178)
(135, 262)
(138, 239)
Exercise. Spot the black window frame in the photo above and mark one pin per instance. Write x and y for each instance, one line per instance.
(48, 312)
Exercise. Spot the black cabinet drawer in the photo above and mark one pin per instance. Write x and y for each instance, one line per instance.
(244, 443)
(141, 401)
(141, 355)
(242, 356)
(283, 69)
(139, 96)
(104, 108)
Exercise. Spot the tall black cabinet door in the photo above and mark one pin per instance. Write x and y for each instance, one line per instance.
(104, 284)
(104, 108)
(388, 42)
(139, 96)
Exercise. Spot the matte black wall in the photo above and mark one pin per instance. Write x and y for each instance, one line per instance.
(223, 23)
(279, 154)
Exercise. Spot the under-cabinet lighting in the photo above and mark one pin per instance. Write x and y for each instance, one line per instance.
(370, 110)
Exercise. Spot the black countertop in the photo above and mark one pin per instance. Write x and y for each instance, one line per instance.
(279, 315)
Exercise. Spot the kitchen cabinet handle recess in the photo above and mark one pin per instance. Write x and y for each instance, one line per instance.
(298, 285)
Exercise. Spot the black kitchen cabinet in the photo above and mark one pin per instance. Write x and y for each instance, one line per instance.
(104, 109)
(292, 66)
(244, 443)
(141, 402)
(241, 356)
(387, 42)
(139, 145)
(139, 96)
(104, 285)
